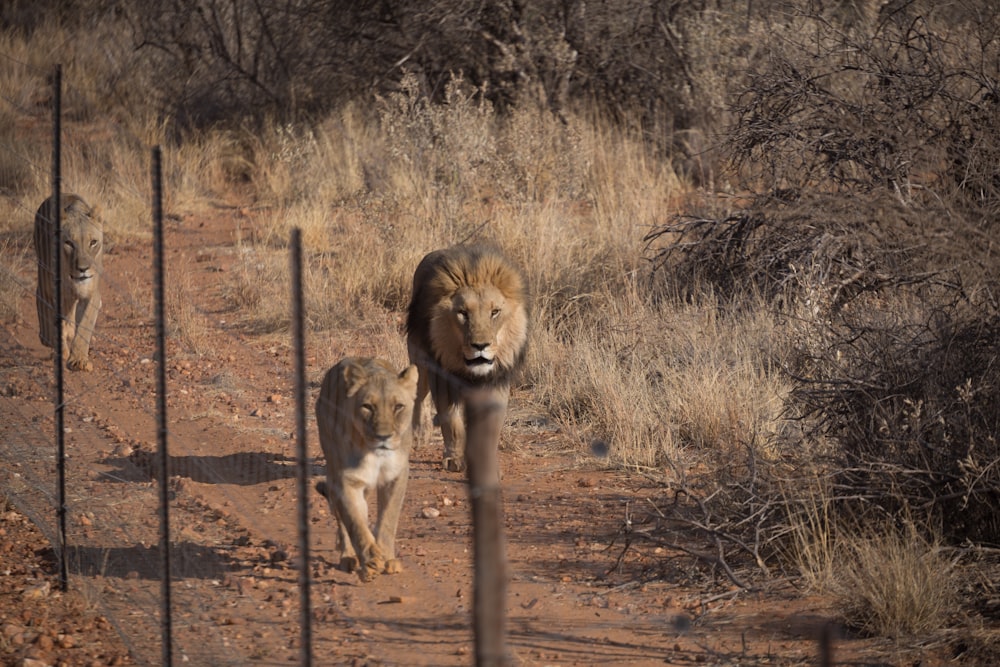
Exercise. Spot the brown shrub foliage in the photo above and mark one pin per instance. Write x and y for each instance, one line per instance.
(869, 149)
(221, 59)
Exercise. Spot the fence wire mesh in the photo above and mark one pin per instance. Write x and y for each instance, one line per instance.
(152, 547)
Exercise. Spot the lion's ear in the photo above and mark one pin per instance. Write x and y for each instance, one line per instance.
(354, 376)
(409, 377)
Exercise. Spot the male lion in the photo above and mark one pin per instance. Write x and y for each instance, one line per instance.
(363, 414)
(467, 330)
(82, 247)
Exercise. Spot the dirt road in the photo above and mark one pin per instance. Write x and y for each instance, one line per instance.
(577, 595)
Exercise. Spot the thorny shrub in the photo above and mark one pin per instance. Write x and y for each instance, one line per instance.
(867, 155)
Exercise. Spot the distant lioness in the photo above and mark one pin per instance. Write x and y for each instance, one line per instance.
(82, 248)
(363, 414)
(467, 328)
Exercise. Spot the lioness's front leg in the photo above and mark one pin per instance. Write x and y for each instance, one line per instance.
(390, 505)
(79, 351)
(352, 512)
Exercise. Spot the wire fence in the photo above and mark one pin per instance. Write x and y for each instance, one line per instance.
(154, 555)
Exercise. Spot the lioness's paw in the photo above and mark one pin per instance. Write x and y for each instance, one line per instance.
(348, 563)
(79, 365)
(372, 564)
(393, 566)
(371, 569)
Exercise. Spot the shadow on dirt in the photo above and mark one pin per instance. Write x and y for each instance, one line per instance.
(187, 560)
(243, 468)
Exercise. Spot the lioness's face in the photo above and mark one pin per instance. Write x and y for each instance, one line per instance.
(384, 408)
(479, 314)
(83, 241)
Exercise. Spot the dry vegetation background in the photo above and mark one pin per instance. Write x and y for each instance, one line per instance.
(761, 236)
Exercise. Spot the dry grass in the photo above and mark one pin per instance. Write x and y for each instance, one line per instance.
(886, 577)
(11, 286)
(893, 583)
(661, 386)
(185, 323)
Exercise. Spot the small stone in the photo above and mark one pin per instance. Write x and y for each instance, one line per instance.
(36, 592)
(430, 512)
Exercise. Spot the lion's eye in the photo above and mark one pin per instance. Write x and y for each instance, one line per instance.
(93, 243)
(367, 409)
(494, 313)
(399, 408)
(462, 316)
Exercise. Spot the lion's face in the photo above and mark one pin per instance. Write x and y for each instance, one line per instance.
(478, 316)
(82, 247)
(468, 315)
(382, 404)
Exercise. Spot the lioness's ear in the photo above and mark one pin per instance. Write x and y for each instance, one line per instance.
(354, 376)
(409, 376)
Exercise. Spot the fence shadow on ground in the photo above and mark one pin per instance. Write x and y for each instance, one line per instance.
(187, 560)
(242, 468)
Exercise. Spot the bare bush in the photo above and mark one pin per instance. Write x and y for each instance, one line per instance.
(868, 149)
(909, 393)
(818, 248)
(907, 102)
(664, 64)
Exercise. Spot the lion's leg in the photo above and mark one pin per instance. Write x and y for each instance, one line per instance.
(446, 393)
(452, 420)
(423, 387)
(79, 350)
(352, 510)
(390, 505)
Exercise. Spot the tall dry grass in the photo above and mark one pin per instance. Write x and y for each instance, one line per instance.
(663, 386)
(885, 575)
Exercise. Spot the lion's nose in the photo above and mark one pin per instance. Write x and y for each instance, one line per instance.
(479, 347)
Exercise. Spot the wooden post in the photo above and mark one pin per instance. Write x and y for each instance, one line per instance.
(484, 417)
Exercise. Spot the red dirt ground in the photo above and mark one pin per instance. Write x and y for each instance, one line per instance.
(574, 597)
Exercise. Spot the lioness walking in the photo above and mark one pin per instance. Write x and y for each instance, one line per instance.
(363, 415)
(82, 248)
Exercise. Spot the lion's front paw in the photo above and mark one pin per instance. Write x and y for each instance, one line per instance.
(454, 463)
(393, 566)
(79, 364)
